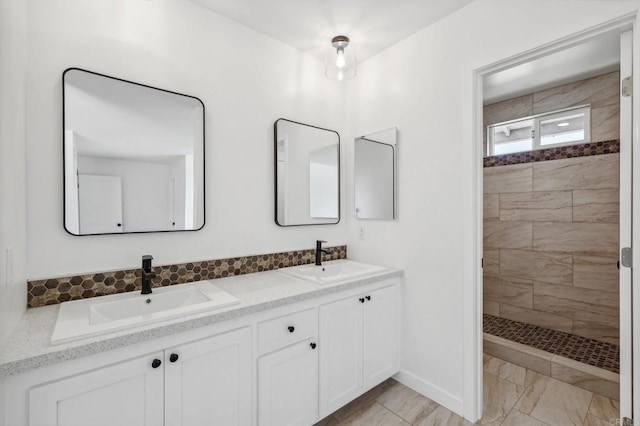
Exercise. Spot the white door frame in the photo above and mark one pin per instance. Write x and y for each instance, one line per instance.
(473, 301)
(627, 374)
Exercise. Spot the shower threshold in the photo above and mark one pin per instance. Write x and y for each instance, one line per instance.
(583, 362)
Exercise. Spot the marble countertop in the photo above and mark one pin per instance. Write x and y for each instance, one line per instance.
(29, 347)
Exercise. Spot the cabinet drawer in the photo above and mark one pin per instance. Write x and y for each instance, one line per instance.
(282, 331)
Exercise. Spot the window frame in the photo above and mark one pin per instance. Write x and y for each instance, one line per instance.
(537, 119)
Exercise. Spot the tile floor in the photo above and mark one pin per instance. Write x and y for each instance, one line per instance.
(514, 396)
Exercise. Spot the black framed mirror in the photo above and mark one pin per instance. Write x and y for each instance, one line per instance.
(307, 174)
(133, 157)
(375, 175)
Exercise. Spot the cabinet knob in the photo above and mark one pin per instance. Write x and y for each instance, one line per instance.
(361, 300)
(291, 329)
(156, 363)
(313, 345)
(173, 357)
(368, 297)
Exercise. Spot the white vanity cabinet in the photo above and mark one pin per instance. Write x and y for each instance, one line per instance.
(199, 383)
(127, 393)
(288, 386)
(288, 375)
(290, 365)
(209, 381)
(358, 345)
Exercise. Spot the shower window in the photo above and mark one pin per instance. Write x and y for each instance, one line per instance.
(565, 127)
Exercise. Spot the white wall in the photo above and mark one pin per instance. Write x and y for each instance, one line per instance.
(246, 81)
(424, 86)
(13, 233)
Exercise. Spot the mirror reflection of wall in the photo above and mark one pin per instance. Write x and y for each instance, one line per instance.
(134, 157)
(375, 175)
(307, 174)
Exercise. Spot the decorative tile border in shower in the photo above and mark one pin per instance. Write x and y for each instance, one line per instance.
(52, 291)
(584, 150)
(582, 349)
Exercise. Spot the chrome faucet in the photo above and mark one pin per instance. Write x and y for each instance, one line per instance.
(147, 274)
(319, 251)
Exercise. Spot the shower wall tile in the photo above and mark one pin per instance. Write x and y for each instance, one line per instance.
(595, 172)
(512, 291)
(510, 109)
(597, 239)
(601, 92)
(596, 205)
(569, 195)
(598, 91)
(530, 265)
(577, 303)
(512, 235)
(605, 123)
(536, 206)
(596, 273)
(541, 319)
(491, 259)
(513, 178)
(491, 308)
(491, 206)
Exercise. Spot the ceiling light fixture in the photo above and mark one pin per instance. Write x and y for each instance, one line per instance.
(340, 62)
(564, 124)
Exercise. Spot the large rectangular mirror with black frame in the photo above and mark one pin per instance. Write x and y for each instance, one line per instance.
(307, 174)
(133, 157)
(375, 175)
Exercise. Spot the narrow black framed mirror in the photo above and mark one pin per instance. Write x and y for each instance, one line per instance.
(133, 157)
(375, 168)
(307, 174)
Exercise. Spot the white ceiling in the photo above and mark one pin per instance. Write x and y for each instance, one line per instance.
(594, 57)
(309, 25)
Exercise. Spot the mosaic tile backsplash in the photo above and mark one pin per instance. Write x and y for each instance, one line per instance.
(582, 150)
(52, 291)
(582, 349)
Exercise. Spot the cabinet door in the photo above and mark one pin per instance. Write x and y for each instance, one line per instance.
(127, 393)
(208, 382)
(288, 386)
(340, 347)
(380, 336)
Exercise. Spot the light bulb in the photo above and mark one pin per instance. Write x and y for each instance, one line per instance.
(340, 61)
(565, 124)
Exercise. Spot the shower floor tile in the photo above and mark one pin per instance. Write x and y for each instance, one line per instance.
(582, 349)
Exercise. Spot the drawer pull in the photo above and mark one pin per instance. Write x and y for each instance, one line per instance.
(156, 363)
(368, 297)
(361, 300)
(291, 329)
(313, 345)
(173, 357)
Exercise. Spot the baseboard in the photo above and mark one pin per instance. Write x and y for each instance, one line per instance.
(432, 392)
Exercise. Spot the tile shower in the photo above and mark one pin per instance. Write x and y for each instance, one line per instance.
(551, 223)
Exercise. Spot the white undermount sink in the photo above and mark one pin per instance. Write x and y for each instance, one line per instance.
(332, 271)
(90, 317)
